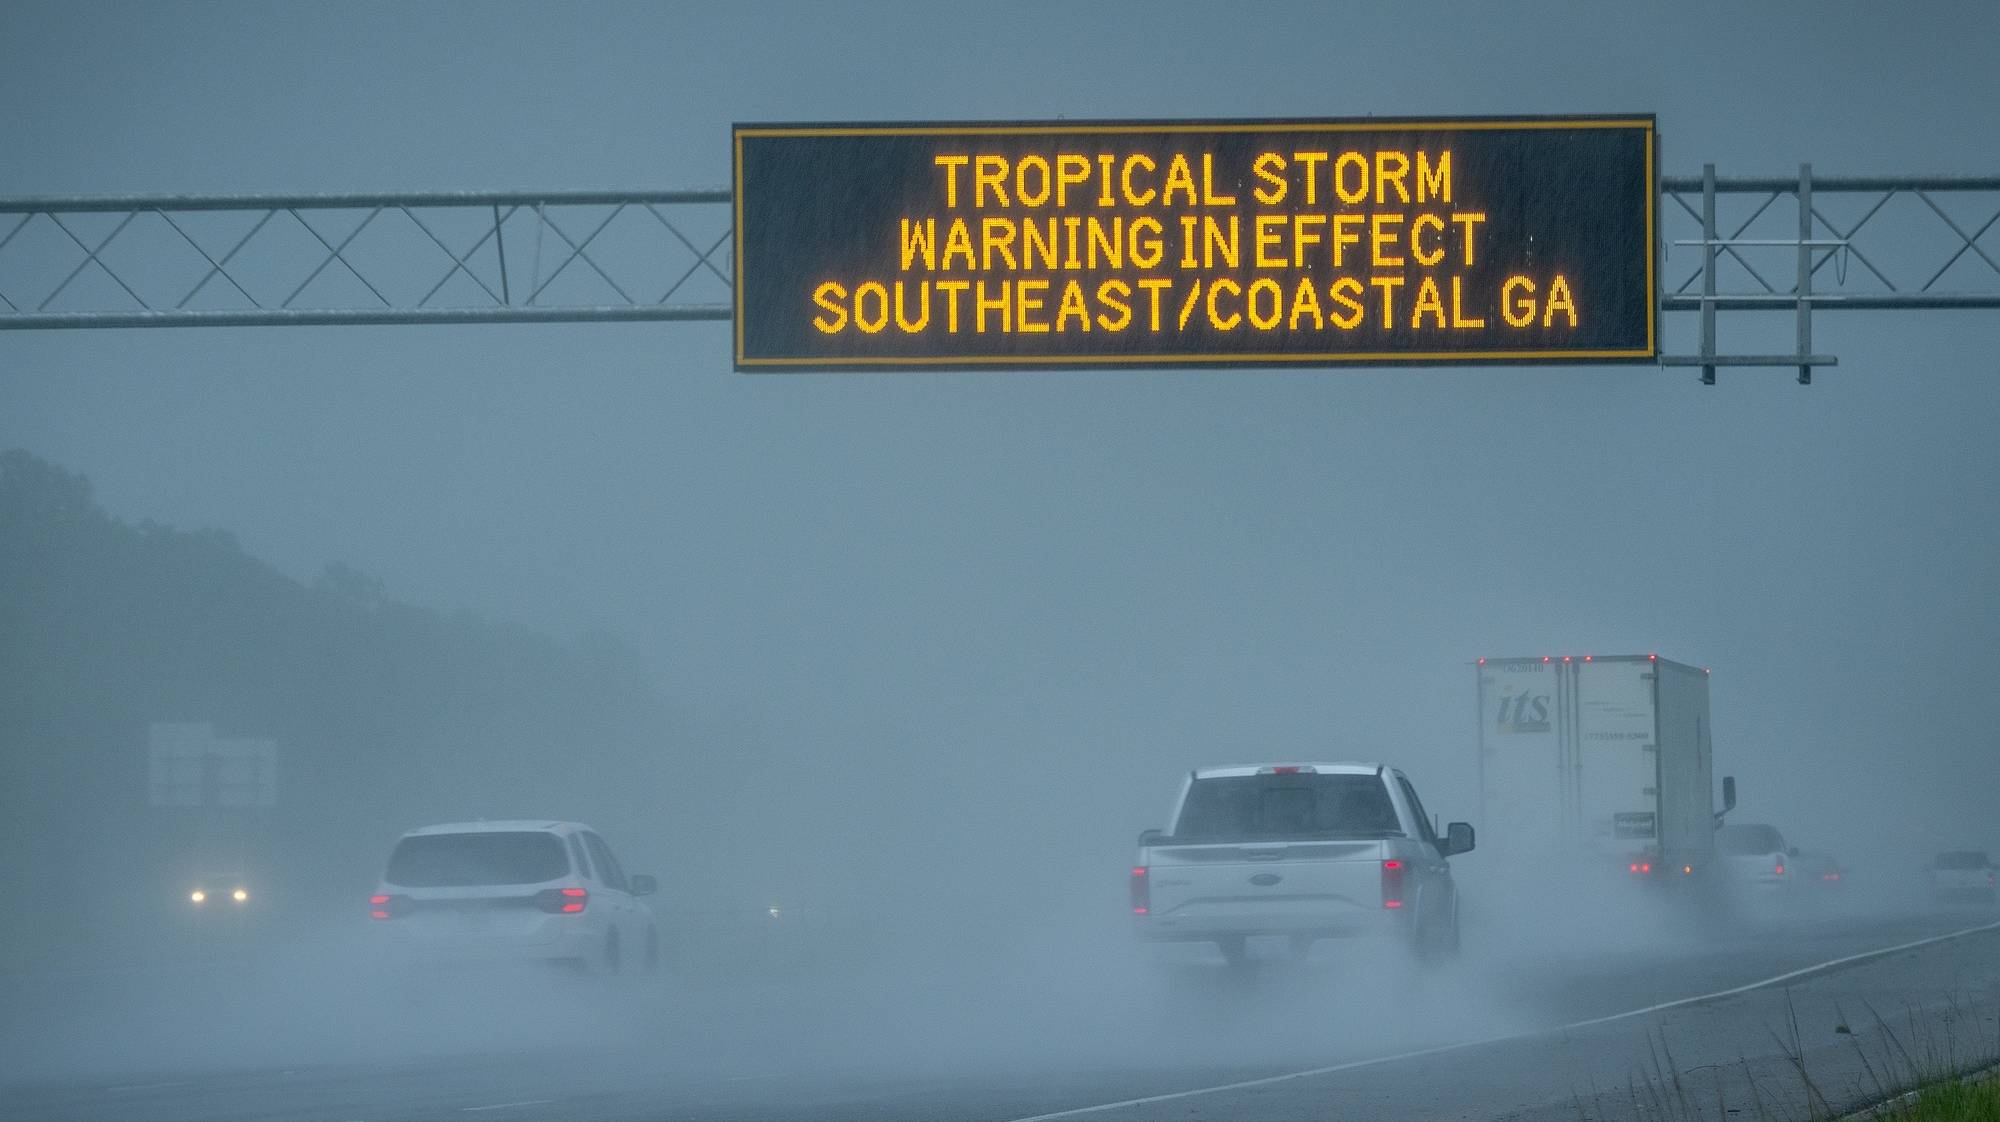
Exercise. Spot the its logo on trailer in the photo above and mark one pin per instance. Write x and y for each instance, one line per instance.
(1524, 712)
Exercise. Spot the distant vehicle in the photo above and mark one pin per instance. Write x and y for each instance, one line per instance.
(1759, 864)
(214, 892)
(515, 891)
(1964, 875)
(1599, 761)
(1821, 873)
(1300, 851)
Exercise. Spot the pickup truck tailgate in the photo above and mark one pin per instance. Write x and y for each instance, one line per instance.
(1276, 886)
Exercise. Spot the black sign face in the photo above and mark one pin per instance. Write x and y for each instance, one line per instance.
(1191, 244)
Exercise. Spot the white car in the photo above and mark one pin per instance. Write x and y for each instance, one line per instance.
(515, 891)
(1760, 867)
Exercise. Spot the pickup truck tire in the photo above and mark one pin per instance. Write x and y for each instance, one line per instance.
(1439, 941)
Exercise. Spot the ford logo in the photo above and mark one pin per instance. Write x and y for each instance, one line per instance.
(1266, 880)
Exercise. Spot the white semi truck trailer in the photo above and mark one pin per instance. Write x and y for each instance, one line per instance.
(1598, 762)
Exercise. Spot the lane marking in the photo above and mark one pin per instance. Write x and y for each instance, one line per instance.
(748, 1078)
(1819, 968)
(506, 1106)
(1440, 1049)
(147, 1086)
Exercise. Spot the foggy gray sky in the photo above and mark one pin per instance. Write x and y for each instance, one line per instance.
(1111, 575)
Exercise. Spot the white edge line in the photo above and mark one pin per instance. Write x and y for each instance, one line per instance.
(1464, 1044)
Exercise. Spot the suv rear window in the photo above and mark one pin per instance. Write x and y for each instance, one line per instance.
(1747, 841)
(1276, 807)
(1963, 859)
(465, 860)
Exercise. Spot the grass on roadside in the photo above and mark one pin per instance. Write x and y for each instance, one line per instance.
(1954, 1101)
(1934, 1054)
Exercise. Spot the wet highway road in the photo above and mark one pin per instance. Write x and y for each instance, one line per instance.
(1501, 1034)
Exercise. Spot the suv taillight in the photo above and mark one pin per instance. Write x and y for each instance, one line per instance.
(560, 900)
(1142, 891)
(1392, 884)
(385, 907)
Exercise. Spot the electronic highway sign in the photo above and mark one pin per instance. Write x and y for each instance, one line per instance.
(1192, 243)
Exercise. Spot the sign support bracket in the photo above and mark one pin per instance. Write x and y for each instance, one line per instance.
(1801, 296)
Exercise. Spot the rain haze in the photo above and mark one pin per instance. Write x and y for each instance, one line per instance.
(880, 674)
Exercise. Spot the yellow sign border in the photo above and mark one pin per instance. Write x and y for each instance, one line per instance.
(1435, 124)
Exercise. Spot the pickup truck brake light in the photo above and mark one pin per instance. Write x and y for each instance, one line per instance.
(559, 901)
(1142, 892)
(1392, 883)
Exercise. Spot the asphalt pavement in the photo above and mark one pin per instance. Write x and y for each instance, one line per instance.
(1538, 1026)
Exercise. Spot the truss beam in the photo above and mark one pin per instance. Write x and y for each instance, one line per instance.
(385, 258)
(1848, 243)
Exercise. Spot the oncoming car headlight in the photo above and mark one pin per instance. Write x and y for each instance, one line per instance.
(198, 896)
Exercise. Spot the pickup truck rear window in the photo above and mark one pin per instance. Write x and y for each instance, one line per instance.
(1286, 807)
(485, 858)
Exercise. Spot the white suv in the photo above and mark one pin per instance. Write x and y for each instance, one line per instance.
(1964, 875)
(518, 891)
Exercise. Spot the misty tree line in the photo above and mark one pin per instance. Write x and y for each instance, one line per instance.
(386, 715)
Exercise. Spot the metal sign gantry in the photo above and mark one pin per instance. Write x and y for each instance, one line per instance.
(1823, 236)
(1843, 243)
(436, 257)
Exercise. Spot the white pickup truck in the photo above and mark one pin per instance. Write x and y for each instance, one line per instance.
(1301, 851)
